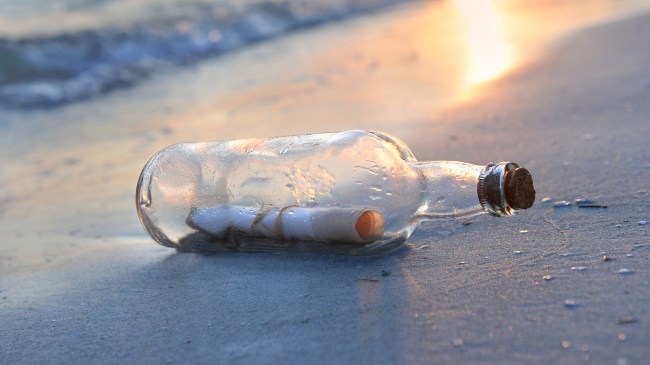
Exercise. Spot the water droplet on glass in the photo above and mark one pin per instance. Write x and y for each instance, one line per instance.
(625, 271)
(375, 187)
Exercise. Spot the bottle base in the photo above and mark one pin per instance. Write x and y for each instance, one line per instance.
(236, 242)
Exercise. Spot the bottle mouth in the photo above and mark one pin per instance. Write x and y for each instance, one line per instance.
(504, 188)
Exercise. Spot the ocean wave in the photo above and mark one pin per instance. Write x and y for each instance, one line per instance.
(51, 70)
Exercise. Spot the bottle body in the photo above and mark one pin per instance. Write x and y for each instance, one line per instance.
(353, 192)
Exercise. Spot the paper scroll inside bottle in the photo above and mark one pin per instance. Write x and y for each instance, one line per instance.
(290, 223)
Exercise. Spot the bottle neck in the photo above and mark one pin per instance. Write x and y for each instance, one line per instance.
(449, 189)
(456, 189)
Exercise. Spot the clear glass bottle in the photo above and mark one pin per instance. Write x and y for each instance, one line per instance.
(354, 192)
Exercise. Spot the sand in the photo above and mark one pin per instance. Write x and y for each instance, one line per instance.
(81, 282)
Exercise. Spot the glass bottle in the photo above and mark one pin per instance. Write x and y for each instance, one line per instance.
(353, 192)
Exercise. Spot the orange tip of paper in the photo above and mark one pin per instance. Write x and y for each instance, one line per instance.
(370, 225)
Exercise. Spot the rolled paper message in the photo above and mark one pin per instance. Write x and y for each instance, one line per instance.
(290, 223)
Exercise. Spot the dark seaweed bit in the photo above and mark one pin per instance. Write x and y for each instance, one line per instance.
(627, 320)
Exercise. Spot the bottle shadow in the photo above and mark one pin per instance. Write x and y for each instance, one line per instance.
(352, 304)
(345, 302)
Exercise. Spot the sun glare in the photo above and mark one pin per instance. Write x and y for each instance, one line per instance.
(488, 53)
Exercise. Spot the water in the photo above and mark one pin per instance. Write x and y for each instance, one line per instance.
(570, 303)
(578, 268)
(561, 204)
(57, 51)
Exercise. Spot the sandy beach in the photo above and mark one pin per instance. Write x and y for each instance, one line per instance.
(81, 282)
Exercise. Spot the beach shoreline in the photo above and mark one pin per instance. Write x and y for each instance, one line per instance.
(80, 277)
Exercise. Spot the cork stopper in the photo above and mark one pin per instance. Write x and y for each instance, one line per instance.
(518, 188)
(504, 188)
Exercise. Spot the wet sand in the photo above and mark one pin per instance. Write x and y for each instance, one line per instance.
(81, 282)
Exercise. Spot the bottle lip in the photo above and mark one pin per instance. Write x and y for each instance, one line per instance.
(491, 192)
